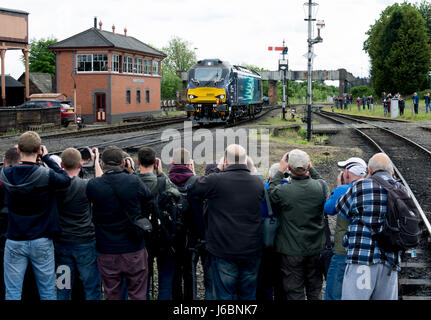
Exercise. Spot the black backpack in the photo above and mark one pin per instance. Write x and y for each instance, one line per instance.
(401, 230)
(167, 219)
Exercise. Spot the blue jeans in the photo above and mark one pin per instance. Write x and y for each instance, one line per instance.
(17, 254)
(83, 257)
(427, 106)
(233, 279)
(334, 279)
(166, 269)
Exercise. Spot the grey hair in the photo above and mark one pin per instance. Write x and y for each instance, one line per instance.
(236, 154)
(273, 170)
(376, 163)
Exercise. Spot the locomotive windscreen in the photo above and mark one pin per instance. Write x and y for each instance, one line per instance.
(207, 74)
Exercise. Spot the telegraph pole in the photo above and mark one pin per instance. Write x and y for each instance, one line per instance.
(283, 65)
(310, 57)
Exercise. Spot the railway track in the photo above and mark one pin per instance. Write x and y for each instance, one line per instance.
(412, 166)
(123, 128)
(132, 144)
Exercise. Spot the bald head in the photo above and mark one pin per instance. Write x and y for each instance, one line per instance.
(380, 161)
(235, 154)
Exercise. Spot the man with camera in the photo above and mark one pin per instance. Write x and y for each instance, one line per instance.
(33, 217)
(234, 236)
(354, 169)
(300, 236)
(75, 249)
(118, 198)
(151, 174)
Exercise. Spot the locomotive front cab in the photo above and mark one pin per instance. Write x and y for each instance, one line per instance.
(207, 92)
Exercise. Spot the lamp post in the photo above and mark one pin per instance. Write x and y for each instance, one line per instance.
(312, 11)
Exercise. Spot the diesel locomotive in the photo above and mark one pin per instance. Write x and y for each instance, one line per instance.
(219, 92)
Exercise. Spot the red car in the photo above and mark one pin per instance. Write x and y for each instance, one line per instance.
(66, 111)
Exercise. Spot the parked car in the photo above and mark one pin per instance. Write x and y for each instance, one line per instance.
(66, 111)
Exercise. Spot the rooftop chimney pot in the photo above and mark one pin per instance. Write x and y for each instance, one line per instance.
(113, 29)
(125, 32)
(100, 25)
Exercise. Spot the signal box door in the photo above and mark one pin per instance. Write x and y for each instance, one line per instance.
(100, 107)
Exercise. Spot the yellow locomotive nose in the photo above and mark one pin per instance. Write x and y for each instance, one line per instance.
(206, 95)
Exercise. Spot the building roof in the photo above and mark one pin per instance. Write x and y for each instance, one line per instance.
(95, 38)
(43, 81)
(12, 83)
(13, 11)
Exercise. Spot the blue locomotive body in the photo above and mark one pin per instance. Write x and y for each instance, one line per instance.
(220, 92)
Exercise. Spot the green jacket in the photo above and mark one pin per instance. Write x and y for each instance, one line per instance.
(300, 203)
(150, 180)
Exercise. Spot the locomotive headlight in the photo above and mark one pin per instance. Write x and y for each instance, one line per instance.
(191, 97)
(222, 96)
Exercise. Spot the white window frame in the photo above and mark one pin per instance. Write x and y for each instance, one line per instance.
(115, 59)
(128, 64)
(149, 66)
(138, 69)
(156, 63)
(92, 62)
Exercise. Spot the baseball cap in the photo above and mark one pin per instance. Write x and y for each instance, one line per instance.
(112, 156)
(355, 165)
(298, 159)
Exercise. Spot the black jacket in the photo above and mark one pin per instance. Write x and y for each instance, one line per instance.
(234, 199)
(109, 216)
(75, 214)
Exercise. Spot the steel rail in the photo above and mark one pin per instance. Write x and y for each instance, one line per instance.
(400, 176)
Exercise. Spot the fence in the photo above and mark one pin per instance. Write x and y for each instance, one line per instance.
(27, 119)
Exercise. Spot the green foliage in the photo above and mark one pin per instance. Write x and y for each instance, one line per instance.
(361, 91)
(424, 9)
(170, 84)
(320, 91)
(399, 49)
(180, 58)
(41, 59)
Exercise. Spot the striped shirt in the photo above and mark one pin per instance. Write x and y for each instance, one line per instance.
(365, 203)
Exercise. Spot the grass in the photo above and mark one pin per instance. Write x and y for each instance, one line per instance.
(378, 112)
(279, 122)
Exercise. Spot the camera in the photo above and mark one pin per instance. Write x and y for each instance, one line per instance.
(85, 153)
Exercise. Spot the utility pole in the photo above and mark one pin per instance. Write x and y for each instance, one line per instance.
(311, 5)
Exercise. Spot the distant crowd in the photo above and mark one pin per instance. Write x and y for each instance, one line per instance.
(367, 102)
(256, 238)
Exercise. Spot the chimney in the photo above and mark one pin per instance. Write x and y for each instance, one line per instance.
(100, 25)
(113, 29)
(125, 32)
(95, 22)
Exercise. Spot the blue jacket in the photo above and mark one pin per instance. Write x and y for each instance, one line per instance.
(331, 203)
(31, 199)
(415, 99)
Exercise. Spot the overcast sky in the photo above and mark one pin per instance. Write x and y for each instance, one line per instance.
(238, 31)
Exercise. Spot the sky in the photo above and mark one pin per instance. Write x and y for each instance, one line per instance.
(238, 31)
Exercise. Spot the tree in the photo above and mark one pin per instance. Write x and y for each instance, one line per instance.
(399, 50)
(424, 9)
(41, 59)
(180, 58)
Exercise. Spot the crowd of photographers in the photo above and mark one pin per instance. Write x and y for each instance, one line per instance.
(110, 231)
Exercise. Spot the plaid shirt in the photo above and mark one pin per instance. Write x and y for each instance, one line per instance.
(365, 203)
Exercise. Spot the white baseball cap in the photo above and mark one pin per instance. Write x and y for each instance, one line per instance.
(355, 165)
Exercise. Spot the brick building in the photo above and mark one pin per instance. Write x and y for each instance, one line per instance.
(116, 76)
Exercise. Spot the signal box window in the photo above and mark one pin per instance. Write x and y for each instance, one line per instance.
(138, 96)
(128, 96)
(147, 95)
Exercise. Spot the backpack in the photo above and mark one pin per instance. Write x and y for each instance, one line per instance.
(167, 219)
(401, 229)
